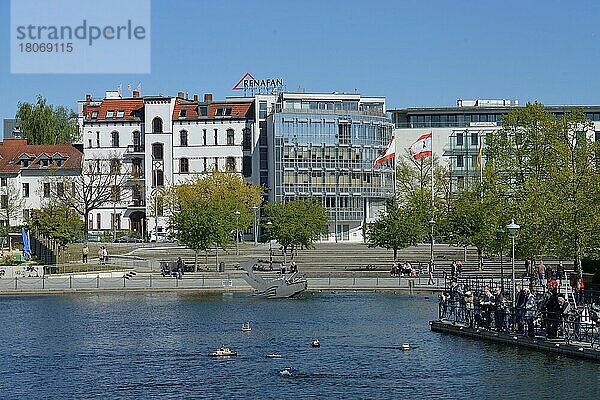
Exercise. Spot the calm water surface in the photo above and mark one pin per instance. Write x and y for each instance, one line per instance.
(138, 346)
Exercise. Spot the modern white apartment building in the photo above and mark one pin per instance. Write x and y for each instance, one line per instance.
(458, 132)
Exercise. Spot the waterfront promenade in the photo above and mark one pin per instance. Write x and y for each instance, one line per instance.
(329, 266)
(207, 282)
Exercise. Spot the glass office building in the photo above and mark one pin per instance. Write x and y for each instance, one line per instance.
(323, 146)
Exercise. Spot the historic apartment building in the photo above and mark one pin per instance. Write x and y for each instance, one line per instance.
(161, 141)
(30, 175)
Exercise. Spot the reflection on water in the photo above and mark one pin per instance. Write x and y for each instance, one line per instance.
(139, 345)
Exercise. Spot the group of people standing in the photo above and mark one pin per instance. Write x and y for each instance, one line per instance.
(491, 309)
(102, 254)
(544, 273)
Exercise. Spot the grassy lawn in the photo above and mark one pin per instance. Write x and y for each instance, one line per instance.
(66, 268)
(73, 250)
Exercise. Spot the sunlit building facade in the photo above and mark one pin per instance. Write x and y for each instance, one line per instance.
(323, 146)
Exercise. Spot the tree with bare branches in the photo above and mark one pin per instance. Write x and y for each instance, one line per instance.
(101, 181)
(11, 204)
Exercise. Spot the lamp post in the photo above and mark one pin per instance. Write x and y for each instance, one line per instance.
(237, 232)
(432, 223)
(255, 208)
(512, 230)
(500, 232)
(269, 224)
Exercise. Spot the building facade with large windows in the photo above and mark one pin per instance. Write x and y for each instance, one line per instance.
(459, 132)
(323, 147)
(295, 145)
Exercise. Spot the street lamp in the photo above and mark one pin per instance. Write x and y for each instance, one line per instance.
(500, 232)
(269, 224)
(237, 232)
(255, 208)
(512, 229)
(432, 223)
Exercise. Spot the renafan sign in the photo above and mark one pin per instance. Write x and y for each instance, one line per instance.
(249, 82)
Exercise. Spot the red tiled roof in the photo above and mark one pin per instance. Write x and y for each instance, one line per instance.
(126, 105)
(238, 110)
(12, 149)
(190, 106)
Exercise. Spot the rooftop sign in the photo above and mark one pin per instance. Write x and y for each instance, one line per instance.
(248, 82)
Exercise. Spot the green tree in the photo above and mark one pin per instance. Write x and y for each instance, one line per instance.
(474, 217)
(217, 205)
(58, 222)
(403, 225)
(42, 123)
(296, 224)
(197, 226)
(547, 169)
(100, 183)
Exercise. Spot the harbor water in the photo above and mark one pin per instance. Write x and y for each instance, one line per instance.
(150, 345)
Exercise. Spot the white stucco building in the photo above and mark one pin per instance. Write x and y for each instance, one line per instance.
(161, 141)
(31, 174)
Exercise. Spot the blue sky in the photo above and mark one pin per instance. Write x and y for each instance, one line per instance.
(416, 53)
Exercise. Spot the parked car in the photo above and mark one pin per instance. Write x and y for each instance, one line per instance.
(163, 237)
(127, 239)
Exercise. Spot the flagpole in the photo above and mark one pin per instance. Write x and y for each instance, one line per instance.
(432, 221)
(395, 177)
(480, 158)
(432, 194)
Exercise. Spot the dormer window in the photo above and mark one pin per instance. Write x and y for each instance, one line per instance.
(110, 114)
(182, 113)
(227, 110)
(94, 114)
(58, 159)
(44, 163)
(219, 111)
(24, 163)
(120, 114)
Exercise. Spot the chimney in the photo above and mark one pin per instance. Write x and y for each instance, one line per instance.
(207, 97)
(195, 98)
(88, 98)
(180, 95)
(136, 93)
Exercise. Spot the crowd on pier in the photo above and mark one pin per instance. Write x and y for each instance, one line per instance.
(550, 310)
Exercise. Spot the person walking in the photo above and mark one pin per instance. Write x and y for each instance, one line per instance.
(100, 256)
(560, 271)
(84, 253)
(541, 270)
(430, 272)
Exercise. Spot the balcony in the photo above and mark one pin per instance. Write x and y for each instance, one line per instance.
(135, 179)
(368, 112)
(134, 151)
